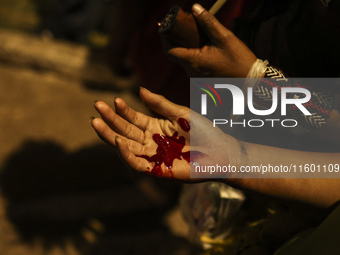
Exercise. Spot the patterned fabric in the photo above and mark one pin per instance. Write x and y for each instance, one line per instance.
(274, 73)
(320, 105)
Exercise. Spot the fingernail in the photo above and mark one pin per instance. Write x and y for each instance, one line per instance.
(94, 103)
(91, 119)
(144, 88)
(197, 9)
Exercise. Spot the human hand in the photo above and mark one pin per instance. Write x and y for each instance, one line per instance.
(224, 56)
(162, 147)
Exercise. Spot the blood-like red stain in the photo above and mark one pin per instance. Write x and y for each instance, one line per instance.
(185, 125)
(186, 156)
(169, 149)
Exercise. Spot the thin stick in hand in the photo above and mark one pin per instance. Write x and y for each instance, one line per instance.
(217, 6)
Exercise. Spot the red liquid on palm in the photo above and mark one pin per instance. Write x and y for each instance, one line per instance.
(185, 125)
(169, 149)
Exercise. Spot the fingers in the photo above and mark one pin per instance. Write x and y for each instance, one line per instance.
(211, 26)
(118, 124)
(127, 148)
(109, 136)
(177, 53)
(135, 162)
(161, 105)
(138, 119)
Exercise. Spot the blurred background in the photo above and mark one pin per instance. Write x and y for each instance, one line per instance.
(63, 191)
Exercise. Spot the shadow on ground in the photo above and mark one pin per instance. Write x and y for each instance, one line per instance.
(88, 197)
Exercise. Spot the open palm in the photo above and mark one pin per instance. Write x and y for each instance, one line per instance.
(160, 146)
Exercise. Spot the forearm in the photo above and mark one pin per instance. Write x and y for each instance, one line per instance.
(318, 192)
(330, 132)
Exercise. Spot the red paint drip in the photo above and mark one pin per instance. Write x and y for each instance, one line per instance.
(185, 125)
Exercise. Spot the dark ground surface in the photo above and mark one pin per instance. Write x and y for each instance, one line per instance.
(63, 191)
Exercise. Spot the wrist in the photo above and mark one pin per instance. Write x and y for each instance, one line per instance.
(237, 152)
(238, 156)
(258, 69)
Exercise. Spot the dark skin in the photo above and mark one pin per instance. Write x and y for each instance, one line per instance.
(225, 56)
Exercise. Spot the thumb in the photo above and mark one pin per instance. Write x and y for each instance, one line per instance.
(211, 26)
(161, 105)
